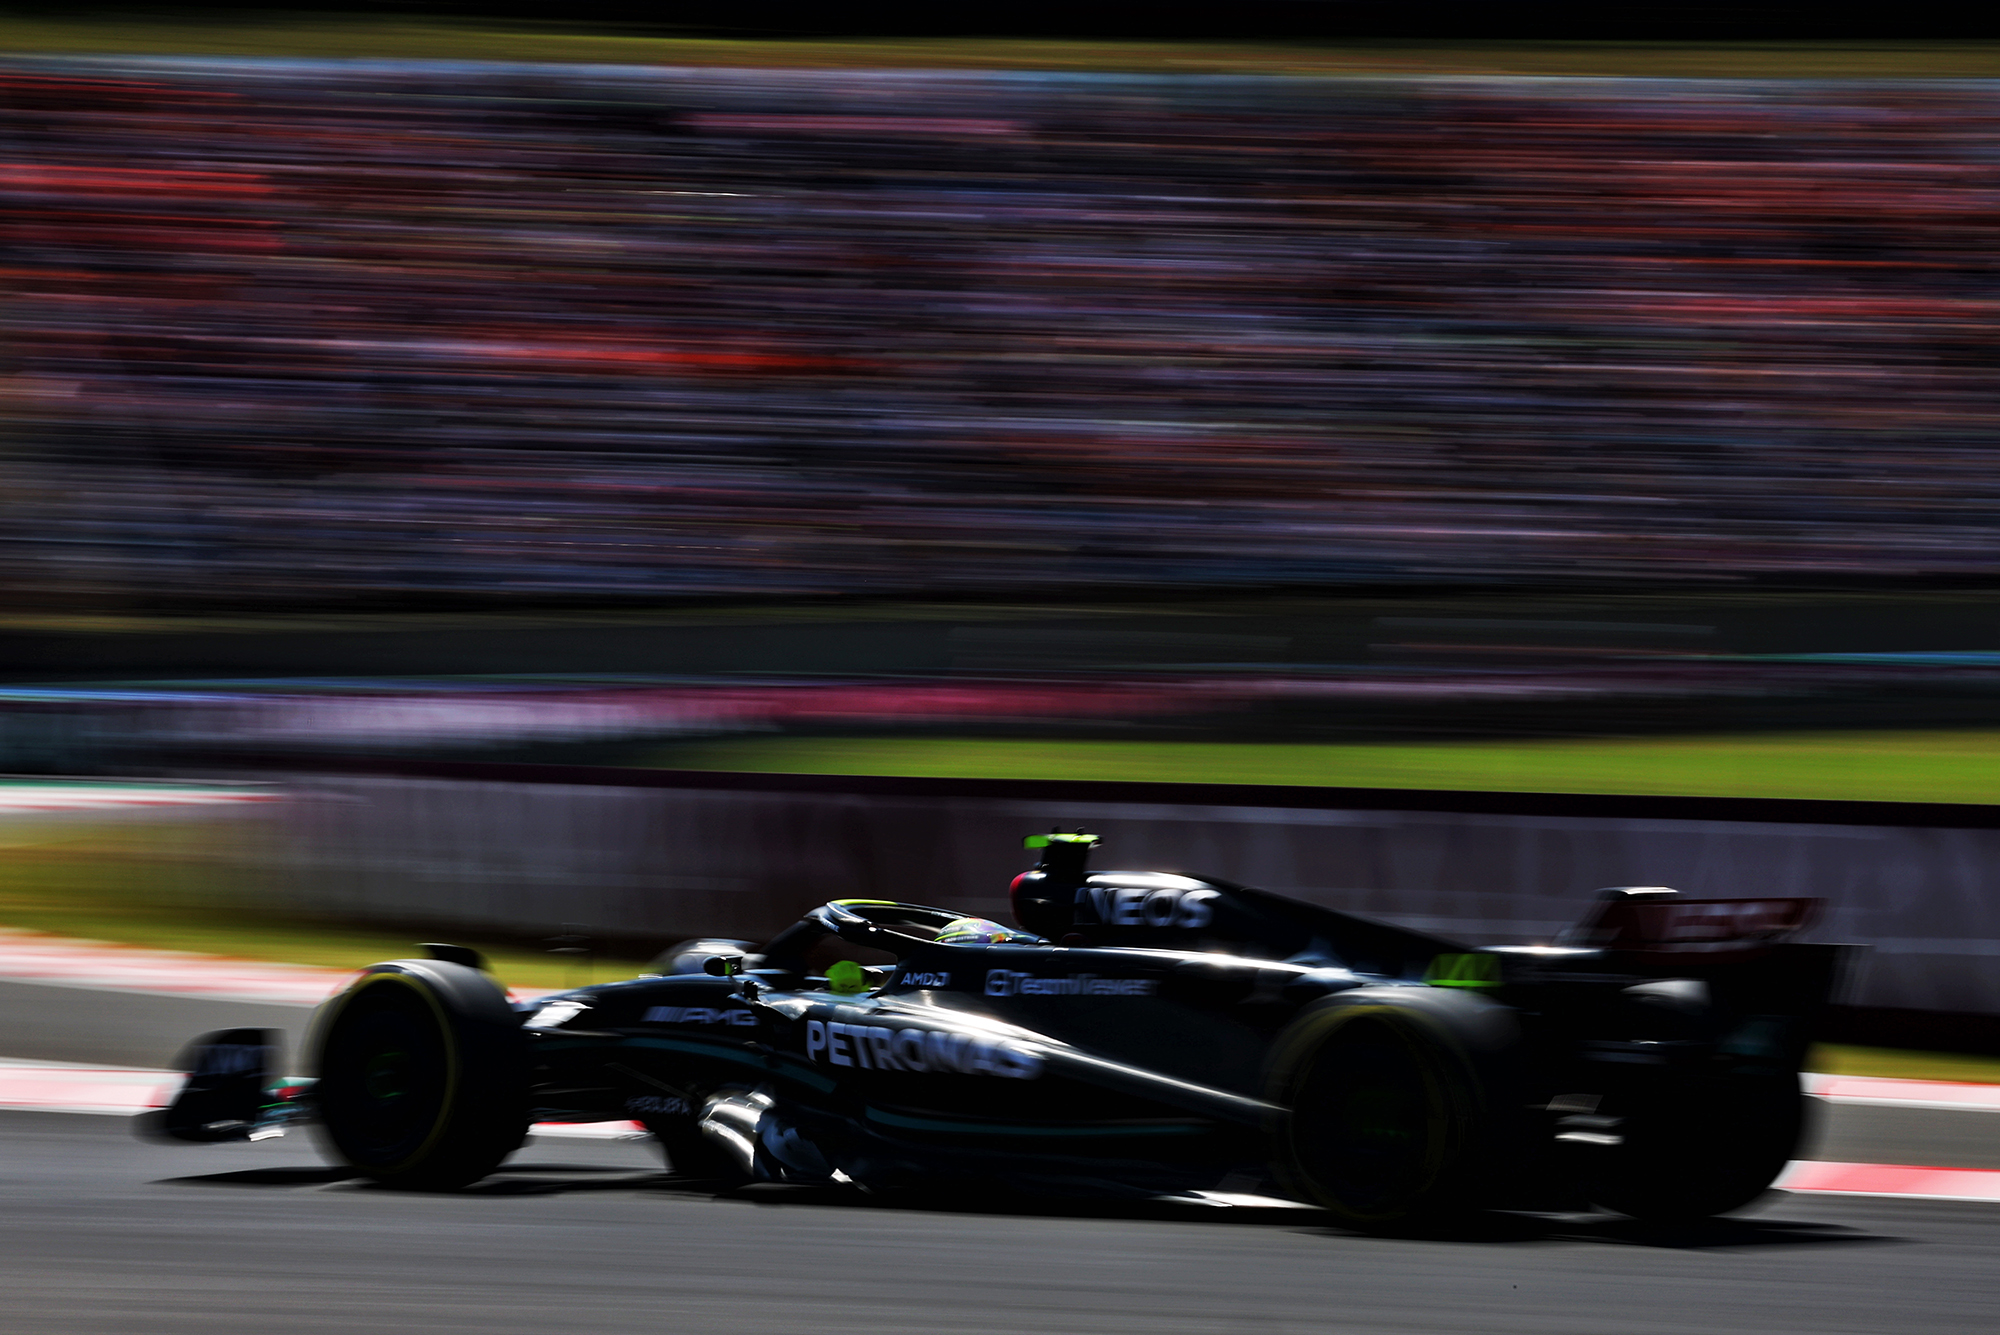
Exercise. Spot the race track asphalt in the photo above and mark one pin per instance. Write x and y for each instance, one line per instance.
(79, 1024)
(102, 1232)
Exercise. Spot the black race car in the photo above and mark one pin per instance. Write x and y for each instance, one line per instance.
(1140, 1033)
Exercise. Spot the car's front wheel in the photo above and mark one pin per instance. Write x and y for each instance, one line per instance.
(422, 1075)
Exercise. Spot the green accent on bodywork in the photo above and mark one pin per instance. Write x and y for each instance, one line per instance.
(1464, 971)
(1072, 1132)
(878, 903)
(287, 1091)
(1044, 840)
(846, 978)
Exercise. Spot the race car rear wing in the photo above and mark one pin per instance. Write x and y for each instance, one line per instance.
(1741, 950)
(1653, 920)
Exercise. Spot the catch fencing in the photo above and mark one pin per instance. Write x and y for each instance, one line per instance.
(663, 854)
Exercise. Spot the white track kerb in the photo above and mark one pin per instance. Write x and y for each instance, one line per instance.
(37, 957)
(48, 1086)
(122, 797)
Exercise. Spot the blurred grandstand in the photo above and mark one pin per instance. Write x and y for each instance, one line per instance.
(285, 333)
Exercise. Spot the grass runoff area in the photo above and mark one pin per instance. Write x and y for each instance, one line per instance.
(161, 885)
(179, 885)
(1866, 766)
(334, 36)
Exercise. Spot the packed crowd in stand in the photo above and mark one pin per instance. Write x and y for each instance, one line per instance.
(280, 332)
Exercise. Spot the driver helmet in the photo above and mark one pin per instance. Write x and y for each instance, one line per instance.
(980, 932)
(846, 978)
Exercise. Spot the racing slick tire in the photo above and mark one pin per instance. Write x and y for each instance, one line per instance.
(1699, 1147)
(422, 1075)
(1396, 1104)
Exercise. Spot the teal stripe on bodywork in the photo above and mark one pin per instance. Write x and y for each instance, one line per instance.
(794, 1069)
(1074, 1132)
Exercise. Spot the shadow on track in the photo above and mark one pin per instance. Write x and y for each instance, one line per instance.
(264, 1177)
(1729, 1233)
(1492, 1229)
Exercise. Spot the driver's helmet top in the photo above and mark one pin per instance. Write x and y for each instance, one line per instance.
(980, 932)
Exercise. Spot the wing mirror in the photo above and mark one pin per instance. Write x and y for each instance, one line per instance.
(731, 966)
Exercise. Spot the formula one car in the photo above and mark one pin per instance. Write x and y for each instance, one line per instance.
(1140, 1033)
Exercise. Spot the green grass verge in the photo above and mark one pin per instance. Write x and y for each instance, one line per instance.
(1879, 766)
(1899, 1064)
(336, 37)
(163, 885)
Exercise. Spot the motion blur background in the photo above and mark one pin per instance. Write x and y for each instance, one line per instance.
(315, 335)
(495, 462)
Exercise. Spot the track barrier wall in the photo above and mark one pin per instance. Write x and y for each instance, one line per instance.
(664, 854)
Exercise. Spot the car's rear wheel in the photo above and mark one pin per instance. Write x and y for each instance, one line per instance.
(422, 1075)
(1698, 1147)
(1392, 1112)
